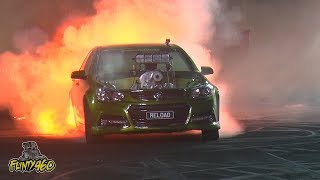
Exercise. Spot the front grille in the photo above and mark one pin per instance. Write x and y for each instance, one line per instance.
(113, 121)
(203, 118)
(147, 95)
(137, 114)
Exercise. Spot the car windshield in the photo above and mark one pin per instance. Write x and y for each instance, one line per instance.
(122, 62)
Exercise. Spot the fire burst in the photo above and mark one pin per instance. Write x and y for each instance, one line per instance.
(38, 79)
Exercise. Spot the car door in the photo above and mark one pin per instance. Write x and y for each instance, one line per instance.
(79, 88)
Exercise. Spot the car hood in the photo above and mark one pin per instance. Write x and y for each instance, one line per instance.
(183, 80)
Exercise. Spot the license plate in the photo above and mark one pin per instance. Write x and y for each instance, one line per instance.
(159, 115)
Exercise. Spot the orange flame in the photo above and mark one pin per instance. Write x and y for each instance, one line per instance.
(41, 78)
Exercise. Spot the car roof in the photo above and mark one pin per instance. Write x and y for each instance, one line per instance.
(138, 46)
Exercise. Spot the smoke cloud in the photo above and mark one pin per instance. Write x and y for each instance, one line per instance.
(19, 16)
(278, 72)
(30, 39)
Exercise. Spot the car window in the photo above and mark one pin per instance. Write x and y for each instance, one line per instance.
(85, 61)
(121, 61)
(88, 61)
(115, 61)
(178, 63)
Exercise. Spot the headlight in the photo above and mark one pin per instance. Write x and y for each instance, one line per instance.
(195, 93)
(117, 96)
(102, 94)
(204, 91)
(105, 95)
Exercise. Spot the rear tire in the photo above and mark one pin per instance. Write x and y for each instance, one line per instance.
(210, 135)
(90, 138)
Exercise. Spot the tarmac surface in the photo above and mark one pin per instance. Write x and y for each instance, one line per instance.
(268, 149)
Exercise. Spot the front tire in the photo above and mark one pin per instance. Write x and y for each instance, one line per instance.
(210, 135)
(90, 138)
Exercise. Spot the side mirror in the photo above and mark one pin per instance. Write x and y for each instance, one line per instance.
(206, 70)
(78, 75)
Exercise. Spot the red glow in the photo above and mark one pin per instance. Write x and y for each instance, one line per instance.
(38, 82)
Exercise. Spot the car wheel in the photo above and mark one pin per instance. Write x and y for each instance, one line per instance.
(210, 135)
(90, 138)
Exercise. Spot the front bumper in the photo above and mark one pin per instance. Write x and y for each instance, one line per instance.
(124, 117)
(99, 130)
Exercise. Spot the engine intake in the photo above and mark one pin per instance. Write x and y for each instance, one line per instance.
(152, 58)
(151, 79)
